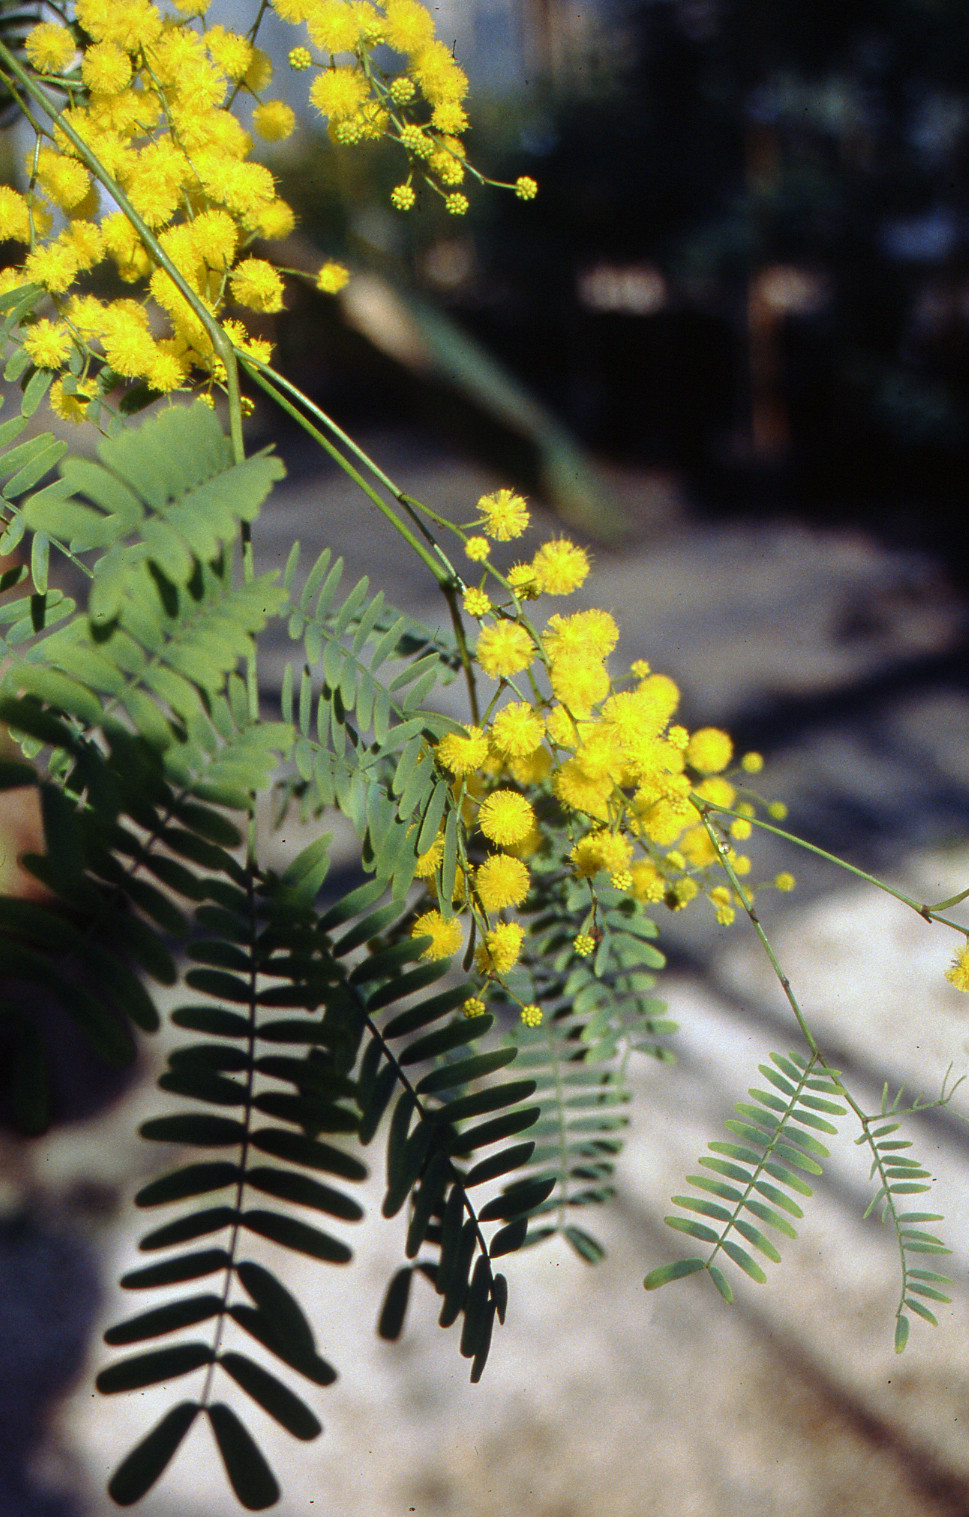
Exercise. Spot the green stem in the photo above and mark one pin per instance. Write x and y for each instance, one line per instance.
(258, 372)
(929, 913)
(275, 384)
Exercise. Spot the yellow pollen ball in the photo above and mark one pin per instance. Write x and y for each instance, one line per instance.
(958, 972)
(504, 649)
(506, 818)
(461, 753)
(501, 949)
(445, 934)
(560, 567)
(517, 731)
(709, 750)
(501, 881)
(505, 515)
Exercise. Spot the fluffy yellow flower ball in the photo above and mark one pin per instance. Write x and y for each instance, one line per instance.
(445, 934)
(506, 818)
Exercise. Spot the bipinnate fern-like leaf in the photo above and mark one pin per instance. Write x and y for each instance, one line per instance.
(898, 1176)
(271, 1094)
(752, 1184)
(359, 706)
(433, 1127)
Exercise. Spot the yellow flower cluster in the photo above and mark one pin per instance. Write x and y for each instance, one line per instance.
(569, 763)
(155, 99)
(148, 98)
(418, 104)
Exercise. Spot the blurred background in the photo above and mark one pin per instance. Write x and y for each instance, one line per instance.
(728, 348)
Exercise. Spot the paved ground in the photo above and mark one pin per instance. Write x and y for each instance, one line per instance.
(846, 663)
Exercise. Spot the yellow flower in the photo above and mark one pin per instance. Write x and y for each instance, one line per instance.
(709, 750)
(106, 68)
(445, 934)
(476, 602)
(504, 649)
(300, 59)
(439, 77)
(50, 47)
(524, 585)
(501, 881)
(456, 205)
(560, 567)
(958, 972)
(517, 731)
(402, 198)
(786, 882)
(501, 949)
(584, 945)
(648, 884)
(14, 215)
(601, 850)
(505, 515)
(338, 93)
(532, 1015)
(72, 408)
(427, 862)
(48, 343)
(593, 634)
(332, 26)
(230, 52)
(256, 284)
(717, 791)
(752, 763)
(274, 120)
(474, 1007)
(477, 549)
(259, 74)
(410, 27)
(332, 278)
(448, 116)
(506, 818)
(579, 683)
(54, 267)
(525, 187)
(460, 753)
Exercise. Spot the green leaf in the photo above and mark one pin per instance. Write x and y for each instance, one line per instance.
(584, 1244)
(463, 1071)
(213, 1020)
(518, 1199)
(266, 1331)
(139, 1471)
(515, 1157)
(164, 1319)
(153, 1368)
(297, 1235)
(901, 1332)
(249, 1475)
(693, 1229)
(196, 1128)
(921, 1310)
(390, 1323)
(309, 1152)
(198, 1224)
(740, 1256)
(494, 1131)
(508, 1239)
(721, 1282)
(675, 1271)
(175, 1271)
(302, 1191)
(288, 1409)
